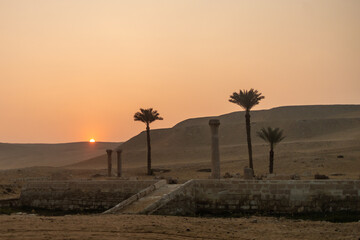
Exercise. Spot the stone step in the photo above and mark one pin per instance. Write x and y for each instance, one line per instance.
(146, 201)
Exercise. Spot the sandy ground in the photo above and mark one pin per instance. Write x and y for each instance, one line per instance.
(168, 227)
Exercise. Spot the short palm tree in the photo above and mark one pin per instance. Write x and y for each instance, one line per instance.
(271, 136)
(147, 116)
(247, 100)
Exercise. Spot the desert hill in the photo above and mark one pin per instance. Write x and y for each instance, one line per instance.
(27, 155)
(314, 134)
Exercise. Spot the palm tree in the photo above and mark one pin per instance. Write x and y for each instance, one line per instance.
(147, 116)
(271, 136)
(247, 100)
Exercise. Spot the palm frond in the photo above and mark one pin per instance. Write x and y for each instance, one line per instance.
(271, 135)
(147, 115)
(247, 99)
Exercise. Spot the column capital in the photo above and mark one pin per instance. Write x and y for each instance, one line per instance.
(214, 122)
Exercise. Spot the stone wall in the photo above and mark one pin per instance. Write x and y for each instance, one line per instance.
(272, 196)
(9, 203)
(280, 196)
(199, 196)
(79, 195)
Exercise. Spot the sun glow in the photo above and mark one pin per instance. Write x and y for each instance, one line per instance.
(92, 140)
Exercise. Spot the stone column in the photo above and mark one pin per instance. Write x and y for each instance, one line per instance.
(248, 173)
(119, 163)
(215, 154)
(109, 152)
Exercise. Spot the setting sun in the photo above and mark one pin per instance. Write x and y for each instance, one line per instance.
(92, 140)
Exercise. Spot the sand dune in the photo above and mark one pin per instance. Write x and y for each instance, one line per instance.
(312, 132)
(27, 155)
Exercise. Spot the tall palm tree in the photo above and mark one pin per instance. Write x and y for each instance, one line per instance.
(271, 136)
(147, 116)
(247, 100)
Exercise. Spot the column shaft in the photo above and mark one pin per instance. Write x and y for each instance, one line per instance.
(215, 152)
(109, 152)
(119, 163)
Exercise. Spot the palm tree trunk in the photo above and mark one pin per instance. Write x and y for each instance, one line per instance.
(248, 134)
(271, 160)
(149, 172)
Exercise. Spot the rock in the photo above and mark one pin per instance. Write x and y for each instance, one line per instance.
(237, 175)
(254, 221)
(320, 176)
(172, 181)
(227, 175)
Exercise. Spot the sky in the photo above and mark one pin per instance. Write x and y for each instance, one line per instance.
(71, 70)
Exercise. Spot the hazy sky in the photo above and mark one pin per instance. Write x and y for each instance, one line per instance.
(75, 69)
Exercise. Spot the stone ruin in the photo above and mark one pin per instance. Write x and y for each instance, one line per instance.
(212, 196)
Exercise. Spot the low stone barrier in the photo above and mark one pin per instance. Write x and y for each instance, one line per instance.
(199, 196)
(79, 195)
(10, 203)
(272, 196)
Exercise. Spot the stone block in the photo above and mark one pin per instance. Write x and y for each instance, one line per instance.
(246, 207)
(253, 203)
(350, 192)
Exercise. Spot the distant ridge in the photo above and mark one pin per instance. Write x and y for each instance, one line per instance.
(189, 140)
(20, 155)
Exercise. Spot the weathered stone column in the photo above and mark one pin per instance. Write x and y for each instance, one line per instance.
(109, 152)
(215, 153)
(248, 173)
(119, 163)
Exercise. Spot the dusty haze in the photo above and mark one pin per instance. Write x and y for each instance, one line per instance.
(75, 70)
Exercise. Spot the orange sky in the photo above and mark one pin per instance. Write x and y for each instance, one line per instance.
(71, 70)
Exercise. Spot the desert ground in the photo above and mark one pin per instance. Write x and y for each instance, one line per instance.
(319, 139)
(169, 227)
